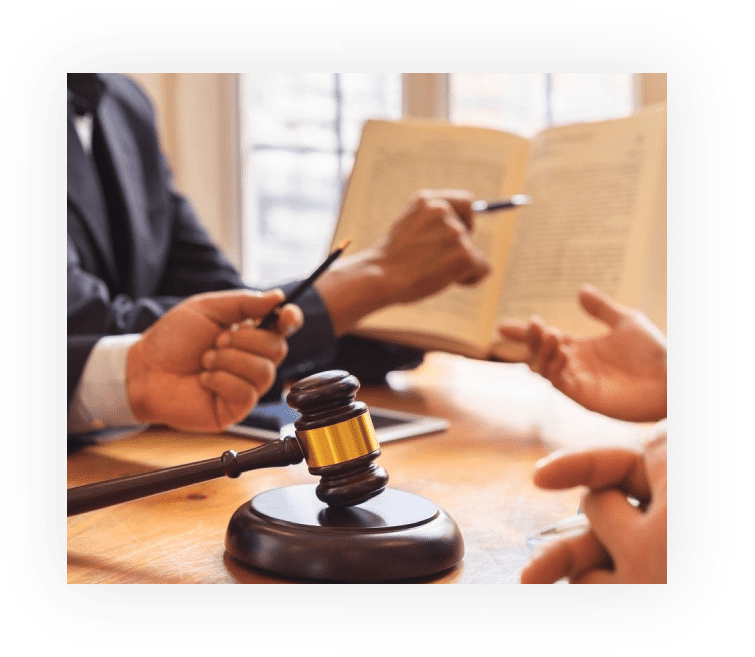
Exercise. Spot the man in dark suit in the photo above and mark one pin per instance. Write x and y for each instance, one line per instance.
(137, 250)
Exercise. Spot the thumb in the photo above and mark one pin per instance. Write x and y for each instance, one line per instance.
(232, 306)
(514, 329)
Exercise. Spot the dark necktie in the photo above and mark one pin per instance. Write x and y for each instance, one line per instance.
(86, 91)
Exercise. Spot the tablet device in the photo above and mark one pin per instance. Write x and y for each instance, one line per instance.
(274, 420)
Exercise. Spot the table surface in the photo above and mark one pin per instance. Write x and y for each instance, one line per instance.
(502, 420)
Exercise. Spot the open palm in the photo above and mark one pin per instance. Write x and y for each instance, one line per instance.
(621, 374)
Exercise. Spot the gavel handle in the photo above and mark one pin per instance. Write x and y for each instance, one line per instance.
(81, 499)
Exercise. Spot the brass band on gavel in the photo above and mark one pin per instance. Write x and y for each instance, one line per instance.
(339, 442)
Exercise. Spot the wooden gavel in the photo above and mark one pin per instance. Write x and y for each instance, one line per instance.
(334, 435)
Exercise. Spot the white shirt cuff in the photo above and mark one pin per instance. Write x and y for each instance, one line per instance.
(101, 398)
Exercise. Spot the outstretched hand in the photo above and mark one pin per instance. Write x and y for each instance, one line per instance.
(178, 376)
(621, 374)
(626, 542)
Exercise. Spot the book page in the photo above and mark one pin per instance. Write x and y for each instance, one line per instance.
(653, 299)
(397, 159)
(595, 197)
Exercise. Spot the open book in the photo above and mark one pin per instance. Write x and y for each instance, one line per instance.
(598, 216)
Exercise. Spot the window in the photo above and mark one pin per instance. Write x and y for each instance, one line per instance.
(300, 133)
(526, 103)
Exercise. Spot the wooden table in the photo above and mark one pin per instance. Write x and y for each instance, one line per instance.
(479, 471)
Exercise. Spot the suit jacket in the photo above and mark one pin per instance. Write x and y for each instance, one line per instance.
(170, 254)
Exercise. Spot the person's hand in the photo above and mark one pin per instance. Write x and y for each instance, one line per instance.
(626, 543)
(177, 375)
(427, 248)
(621, 374)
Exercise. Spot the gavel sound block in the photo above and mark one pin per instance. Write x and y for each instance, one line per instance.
(350, 527)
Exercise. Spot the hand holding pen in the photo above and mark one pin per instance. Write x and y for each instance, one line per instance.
(427, 248)
(237, 344)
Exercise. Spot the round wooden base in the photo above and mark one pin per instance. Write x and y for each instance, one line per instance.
(394, 536)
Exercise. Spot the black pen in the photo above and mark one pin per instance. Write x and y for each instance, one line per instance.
(501, 204)
(269, 320)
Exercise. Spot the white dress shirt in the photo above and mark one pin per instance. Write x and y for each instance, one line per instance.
(101, 401)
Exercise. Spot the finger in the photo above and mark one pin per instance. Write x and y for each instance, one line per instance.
(234, 390)
(597, 576)
(506, 351)
(555, 369)
(548, 350)
(252, 340)
(599, 468)
(612, 518)
(601, 306)
(290, 320)
(513, 329)
(257, 370)
(466, 263)
(457, 200)
(234, 398)
(232, 306)
(569, 558)
(534, 336)
(452, 209)
(477, 268)
(461, 202)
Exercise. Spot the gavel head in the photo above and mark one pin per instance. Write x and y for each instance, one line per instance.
(337, 438)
